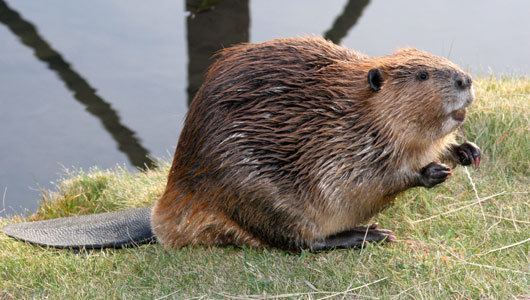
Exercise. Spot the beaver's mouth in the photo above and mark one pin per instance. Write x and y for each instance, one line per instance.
(459, 115)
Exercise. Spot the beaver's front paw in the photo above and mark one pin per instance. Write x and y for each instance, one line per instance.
(468, 153)
(433, 174)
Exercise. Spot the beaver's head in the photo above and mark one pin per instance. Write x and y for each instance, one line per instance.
(422, 92)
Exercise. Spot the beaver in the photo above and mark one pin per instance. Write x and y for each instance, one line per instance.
(295, 143)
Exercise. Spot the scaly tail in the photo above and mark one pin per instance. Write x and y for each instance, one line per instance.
(107, 230)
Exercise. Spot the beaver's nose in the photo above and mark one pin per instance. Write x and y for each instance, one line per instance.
(463, 81)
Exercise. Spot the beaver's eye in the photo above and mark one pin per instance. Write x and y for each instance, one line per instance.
(422, 75)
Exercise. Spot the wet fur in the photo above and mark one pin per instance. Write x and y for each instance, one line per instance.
(285, 143)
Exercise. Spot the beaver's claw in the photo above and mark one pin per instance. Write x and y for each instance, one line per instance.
(468, 153)
(433, 174)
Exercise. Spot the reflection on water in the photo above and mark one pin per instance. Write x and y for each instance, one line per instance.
(210, 29)
(346, 20)
(81, 89)
(125, 64)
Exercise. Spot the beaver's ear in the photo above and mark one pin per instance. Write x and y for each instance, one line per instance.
(375, 79)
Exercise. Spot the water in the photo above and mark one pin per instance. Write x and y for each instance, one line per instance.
(101, 83)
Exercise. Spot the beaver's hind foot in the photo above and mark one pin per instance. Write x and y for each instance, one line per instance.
(354, 238)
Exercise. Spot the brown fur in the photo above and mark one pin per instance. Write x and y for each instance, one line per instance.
(285, 143)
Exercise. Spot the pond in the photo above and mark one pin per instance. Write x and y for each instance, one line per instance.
(101, 83)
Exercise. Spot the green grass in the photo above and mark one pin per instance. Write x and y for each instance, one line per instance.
(450, 246)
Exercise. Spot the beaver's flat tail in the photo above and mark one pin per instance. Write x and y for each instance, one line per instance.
(107, 230)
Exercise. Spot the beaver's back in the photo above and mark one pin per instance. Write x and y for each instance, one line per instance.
(249, 73)
(264, 109)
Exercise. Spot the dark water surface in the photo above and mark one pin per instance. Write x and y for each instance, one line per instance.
(100, 83)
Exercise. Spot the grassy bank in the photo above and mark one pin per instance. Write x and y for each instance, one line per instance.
(454, 241)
